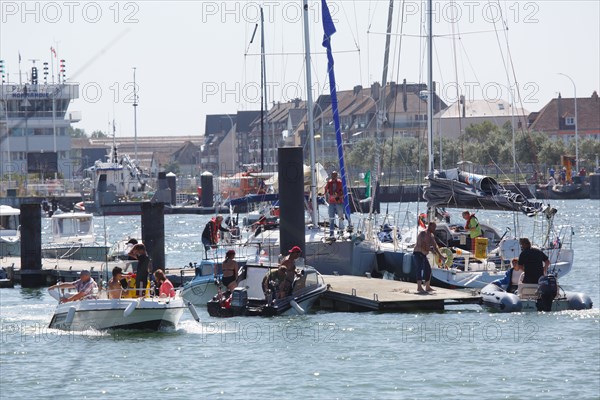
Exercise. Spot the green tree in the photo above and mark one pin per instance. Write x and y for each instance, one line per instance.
(173, 167)
(98, 134)
(76, 132)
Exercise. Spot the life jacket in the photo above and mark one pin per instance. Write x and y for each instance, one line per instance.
(422, 220)
(339, 193)
(467, 226)
(214, 230)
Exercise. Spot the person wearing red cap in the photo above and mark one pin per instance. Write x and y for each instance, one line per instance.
(230, 271)
(289, 262)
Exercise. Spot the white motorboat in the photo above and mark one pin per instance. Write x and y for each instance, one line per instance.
(149, 313)
(249, 298)
(73, 238)
(10, 232)
(545, 296)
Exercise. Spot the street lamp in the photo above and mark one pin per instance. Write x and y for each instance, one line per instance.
(576, 127)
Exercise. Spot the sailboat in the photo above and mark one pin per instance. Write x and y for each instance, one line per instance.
(351, 252)
(460, 189)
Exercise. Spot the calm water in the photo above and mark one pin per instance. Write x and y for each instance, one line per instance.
(462, 353)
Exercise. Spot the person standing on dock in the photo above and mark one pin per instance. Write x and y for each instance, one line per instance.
(86, 287)
(210, 234)
(425, 244)
(533, 261)
(472, 226)
(335, 196)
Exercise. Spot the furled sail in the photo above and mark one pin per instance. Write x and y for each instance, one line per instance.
(459, 189)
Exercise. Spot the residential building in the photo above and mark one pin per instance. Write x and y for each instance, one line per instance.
(557, 118)
(452, 121)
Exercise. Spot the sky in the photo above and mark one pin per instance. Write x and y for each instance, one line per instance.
(194, 58)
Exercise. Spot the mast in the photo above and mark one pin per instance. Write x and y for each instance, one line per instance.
(381, 106)
(135, 104)
(263, 92)
(430, 85)
(309, 110)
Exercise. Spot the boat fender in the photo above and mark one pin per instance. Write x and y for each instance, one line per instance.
(70, 315)
(129, 309)
(193, 311)
(55, 293)
(297, 307)
(446, 252)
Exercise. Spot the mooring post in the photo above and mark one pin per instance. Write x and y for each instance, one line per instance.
(153, 232)
(31, 246)
(206, 182)
(291, 199)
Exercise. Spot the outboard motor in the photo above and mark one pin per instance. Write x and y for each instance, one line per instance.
(547, 289)
(239, 299)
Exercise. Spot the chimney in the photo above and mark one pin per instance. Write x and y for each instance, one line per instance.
(559, 111)
(595, 96)
(375, 89)
(356, 90)
(296, 102)
(393, 89)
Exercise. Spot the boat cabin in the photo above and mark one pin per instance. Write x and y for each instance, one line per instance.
(72, 227)
(9, 223)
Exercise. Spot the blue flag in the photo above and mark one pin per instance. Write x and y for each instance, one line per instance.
(328, 31)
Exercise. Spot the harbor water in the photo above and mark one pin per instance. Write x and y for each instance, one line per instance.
(464, 352)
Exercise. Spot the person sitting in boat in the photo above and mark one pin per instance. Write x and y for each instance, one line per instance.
(166, 287)
(551, 182)
(335, 196)
(275, 281)
(117, 284)
(472, 226)
(85, 285)
(289, 262)
(210, 235)
(512, 277)
(230, 271)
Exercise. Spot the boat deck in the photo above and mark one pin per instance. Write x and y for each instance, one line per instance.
(355, 293)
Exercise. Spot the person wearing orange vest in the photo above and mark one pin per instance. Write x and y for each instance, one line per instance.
(210, 235)
(335, 197)
(472, 226)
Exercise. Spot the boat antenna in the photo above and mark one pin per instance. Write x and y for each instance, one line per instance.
(135, 104)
